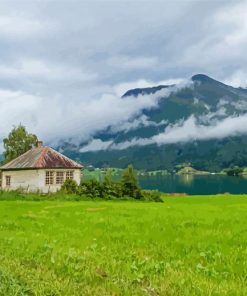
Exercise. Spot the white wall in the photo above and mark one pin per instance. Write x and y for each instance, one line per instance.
(33, 180)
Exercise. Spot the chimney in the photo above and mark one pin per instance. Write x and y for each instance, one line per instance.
(40, 144)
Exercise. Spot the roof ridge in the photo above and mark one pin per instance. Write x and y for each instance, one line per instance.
(62, 155)
(44, 150)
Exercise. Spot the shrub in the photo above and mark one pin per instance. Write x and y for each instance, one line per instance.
(92, 188)
(69, 186)
(152, 195)
(127, 188)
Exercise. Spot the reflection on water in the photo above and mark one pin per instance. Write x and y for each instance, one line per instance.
(186, 180)
(193, 184)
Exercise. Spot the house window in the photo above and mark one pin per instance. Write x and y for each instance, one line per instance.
(69, 175)
(49, 178)
(60, 178)
(8, 180)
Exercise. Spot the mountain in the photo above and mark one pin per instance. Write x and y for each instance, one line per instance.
(189, 124)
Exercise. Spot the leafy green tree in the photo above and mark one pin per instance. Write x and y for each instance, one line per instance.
(108, 177)
(18, 142)
(234, 171)
(111, 188)
(108, 183)
(130, 185)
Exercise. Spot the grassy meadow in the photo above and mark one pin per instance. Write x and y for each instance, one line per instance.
(185, 246)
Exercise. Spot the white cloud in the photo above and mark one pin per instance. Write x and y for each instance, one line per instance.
(96, 145)
(133, 124)
(132, 63)
(240, 105)
(33, 69)
(121, 88)
(221, 44)
(190, 130)
(58, 59)
(20, 26)
(75, 121)
(237, 78)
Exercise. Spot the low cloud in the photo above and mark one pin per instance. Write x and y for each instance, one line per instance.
(121, 88)
(190, 130)
(74, 121)
(186, 131)
(141, 121)
(96, 145)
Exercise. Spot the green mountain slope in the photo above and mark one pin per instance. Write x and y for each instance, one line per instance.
(207, 100)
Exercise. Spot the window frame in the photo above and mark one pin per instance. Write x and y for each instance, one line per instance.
(49, 178)
(60, 177)
(8, 181)
(69, 175)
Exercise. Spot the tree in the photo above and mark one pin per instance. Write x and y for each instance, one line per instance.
(108, 183)
(234, 171)
(130, 186)
(18, 142)
(108, 177)
(111, 188)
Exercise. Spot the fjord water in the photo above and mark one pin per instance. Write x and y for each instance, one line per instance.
(194, 184)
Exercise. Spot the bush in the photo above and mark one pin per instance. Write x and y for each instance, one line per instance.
(91, 188)
(69, 186)
(127, 188)
(152, 195)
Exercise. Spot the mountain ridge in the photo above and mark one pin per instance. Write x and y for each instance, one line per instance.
(206, 101)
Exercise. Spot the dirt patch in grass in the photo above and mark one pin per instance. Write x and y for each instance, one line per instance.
(95, 209)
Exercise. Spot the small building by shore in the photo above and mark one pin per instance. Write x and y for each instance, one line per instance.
(39, 169)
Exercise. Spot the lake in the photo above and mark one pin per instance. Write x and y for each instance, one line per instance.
(193, 184)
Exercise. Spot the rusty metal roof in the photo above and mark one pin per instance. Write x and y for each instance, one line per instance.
(41, 157)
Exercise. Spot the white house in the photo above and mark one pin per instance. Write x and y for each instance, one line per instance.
(41, 168)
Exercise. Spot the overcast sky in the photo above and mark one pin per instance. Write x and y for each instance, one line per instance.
(64, 64)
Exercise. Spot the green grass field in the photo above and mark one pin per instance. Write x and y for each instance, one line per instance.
(185, 246)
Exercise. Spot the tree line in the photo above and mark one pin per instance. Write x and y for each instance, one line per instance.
(127, 188)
